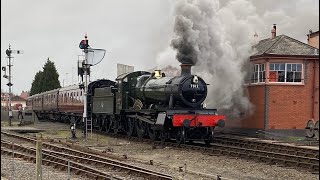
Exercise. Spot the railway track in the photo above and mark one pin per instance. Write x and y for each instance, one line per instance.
(273, 154)
(59, 156)
(264, 146)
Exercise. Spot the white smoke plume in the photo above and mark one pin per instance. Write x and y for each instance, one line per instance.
(217, 37)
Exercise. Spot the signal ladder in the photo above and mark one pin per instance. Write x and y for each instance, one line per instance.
(89, 116)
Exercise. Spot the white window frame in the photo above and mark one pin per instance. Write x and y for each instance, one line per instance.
(285, 73)
(256, 80)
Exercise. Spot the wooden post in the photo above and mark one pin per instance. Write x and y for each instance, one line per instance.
(68, 170)
(39, 160)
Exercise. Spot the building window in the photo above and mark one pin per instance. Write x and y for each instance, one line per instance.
(285, 72)
(294, 72)
(259, 74)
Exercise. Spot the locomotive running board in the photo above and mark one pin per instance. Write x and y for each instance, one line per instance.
(195, 111)
(142, 119)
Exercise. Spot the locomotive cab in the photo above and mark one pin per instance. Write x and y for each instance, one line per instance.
(127, 85)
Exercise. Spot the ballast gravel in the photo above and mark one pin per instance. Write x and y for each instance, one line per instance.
(179, 163)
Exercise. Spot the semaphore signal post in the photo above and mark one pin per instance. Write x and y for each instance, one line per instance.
(9, 53)
(91, 58)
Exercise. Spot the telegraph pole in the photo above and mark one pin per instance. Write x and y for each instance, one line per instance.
(9, 52)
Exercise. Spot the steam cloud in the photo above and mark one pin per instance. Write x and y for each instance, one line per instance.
(216, 37)
(219, 56)
(186, 42)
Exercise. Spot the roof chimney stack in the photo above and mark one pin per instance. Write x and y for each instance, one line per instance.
(274, 31)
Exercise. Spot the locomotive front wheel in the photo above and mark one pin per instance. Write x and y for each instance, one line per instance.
(209, 139)
(130, 127)
(153, 134)
(141, 128)
(163, 136)
(181, 135)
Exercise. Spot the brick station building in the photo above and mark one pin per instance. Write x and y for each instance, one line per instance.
(284, 86)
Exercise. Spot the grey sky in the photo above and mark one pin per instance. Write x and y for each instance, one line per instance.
(132, 32)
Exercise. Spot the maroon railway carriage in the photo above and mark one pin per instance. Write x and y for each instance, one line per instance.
(71, 100)
(64, 104)
(59, 104)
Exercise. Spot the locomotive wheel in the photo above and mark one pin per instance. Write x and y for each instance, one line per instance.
(181, 135)
(310, 129)
(101, 122)
(64, 119)
(163, 136)
(130, 129)
(153, 134)
(115, 130)
(107, 124)
(316, 129)
(67, 120)
(141, 128)
(56, 117)
(115, 125)
(209, 139)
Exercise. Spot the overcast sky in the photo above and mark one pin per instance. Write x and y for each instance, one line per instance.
(132, 32)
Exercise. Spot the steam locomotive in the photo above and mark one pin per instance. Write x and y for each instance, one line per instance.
(139, 104)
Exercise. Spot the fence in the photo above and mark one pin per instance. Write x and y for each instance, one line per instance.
(27, 116)
(15, 168)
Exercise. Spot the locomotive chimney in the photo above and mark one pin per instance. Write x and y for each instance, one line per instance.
(274, 31)
(185, 69)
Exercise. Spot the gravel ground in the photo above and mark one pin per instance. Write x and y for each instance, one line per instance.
(169, 160)
(26, 171)
(194, 165)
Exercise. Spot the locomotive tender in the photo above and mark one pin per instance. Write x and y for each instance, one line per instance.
(138, 103)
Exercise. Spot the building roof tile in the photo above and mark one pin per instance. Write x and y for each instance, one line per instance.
(284, 45)
(17, 98)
